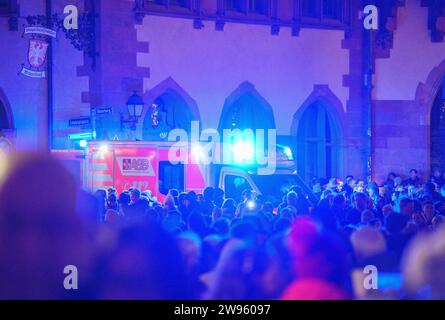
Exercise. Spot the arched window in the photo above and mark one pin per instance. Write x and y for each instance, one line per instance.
(246, 109)
(168, 111)
(438, 131)
(319, 128)
(4, 121)
(318, 143)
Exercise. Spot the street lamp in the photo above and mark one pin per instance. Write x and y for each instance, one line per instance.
(135, 106)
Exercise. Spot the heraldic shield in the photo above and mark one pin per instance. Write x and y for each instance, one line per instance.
(37, 52)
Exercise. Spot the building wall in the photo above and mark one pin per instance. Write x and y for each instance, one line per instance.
(404, 95)
(209, 65)
(28, 96)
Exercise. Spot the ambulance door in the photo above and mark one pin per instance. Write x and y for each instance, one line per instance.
(234, 181)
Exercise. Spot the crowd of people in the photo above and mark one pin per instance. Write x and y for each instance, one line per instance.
(130, 245)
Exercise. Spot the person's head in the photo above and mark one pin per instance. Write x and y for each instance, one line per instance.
(124, 198)
(101, 193)
(318, 255)
(428, 210)
(360, 201)
(368, 242)
(292, 199)
(406, 206)
(429, 187)
(395, 223)
(192, 198)
(144, 264)
(339, 201)
(218, 197)
(196, 223)
(40, 231)
(438, 221)
(112, 201)
(373, 190)
(208, 194)
(169, 203)
(423, 265)
(173, 192)
(387, 210)
(135, 195)
(229, 208)
(437, 173)
(288, 213)
(391, 176)
(111, 190)
(367, 216)
(413, 173)
(375, 223)
(221, 226)
(112, 217)
(246, 194)
(237, 272)
(419, 219)
(190, 245)
(351, 182)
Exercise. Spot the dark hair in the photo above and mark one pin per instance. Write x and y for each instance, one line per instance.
(173, 192)
(247, 193)
(124, 198)
(413, 170)
(221, 226)
(208, 193)
(395, 222)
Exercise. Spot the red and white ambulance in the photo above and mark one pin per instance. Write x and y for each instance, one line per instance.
(147, 166)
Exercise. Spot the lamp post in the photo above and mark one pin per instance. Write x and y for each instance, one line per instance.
(135, 106)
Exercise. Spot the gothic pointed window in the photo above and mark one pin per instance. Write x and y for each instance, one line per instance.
(438, 131)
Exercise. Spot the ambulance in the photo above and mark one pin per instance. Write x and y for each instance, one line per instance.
(147, 166)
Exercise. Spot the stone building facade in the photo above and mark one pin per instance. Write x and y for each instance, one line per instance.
(349, 100)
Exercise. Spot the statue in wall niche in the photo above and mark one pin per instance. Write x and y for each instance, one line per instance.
(157, 128)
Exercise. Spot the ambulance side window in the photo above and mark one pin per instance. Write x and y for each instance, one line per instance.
(234, 186)
(170, 177)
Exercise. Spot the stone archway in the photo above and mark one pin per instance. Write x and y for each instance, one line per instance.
(245, 108)
(6, 118)
(426, 98)
(319, 128)
(7, 131)
(176, 106)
